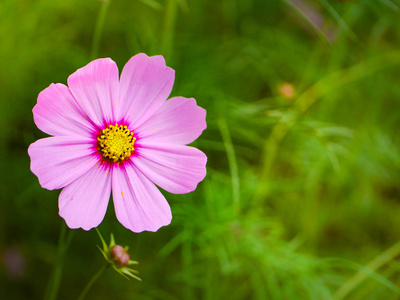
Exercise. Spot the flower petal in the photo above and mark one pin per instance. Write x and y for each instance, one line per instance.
(84, 202)
(144, 86)
(139, 205)
(57, 161)
(95, 88)
(57, 113)
(179, 120)
(175, 168)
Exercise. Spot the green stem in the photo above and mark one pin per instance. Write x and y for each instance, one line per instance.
(230, 152)
(371, 267)
(169, 28)
(63, 244)
(309, 97)
(91, 282)
(98, 30)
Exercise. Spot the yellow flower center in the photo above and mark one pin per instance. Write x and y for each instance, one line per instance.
(116, 143)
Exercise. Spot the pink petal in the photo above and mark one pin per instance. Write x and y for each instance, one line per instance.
(57, 161)
(179, 120)
(139, 205)
(175, 168)
(95, 88)
(144, 86)
(57, 113)
(83, 203)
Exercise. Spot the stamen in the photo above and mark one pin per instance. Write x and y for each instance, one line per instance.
(116, 143)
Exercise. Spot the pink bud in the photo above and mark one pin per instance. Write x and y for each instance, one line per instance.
(120, 255)
(287, 90)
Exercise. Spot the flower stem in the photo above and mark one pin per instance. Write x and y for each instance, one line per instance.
(91, 282)
(63, 244)
(169, 28)
(98, 30)
(230, 152)
(382, 259)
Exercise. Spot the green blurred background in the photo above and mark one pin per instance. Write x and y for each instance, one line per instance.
(302, 194)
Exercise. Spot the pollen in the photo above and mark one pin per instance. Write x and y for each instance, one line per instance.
(116, 143)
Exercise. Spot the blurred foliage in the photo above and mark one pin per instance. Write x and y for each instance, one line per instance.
(301, 200)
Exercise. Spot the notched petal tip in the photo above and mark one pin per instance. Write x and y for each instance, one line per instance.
(57, 113)
(83, 203)
(159, 59)
(175, 168)
(96, 88)
(92, 69)
(71, 224)
(58, 161)
(137, 229)
(155, 58)
(36, 166)
(145, 84)
(141, 206)
(201, 112)
(179, 121)
(199, 176)
(33, 165)
(141, 225)
(157, 62)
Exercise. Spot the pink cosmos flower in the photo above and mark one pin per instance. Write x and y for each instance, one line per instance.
(120, 135)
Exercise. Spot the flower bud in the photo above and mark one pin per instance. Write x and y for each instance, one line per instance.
(287, 90)
(120, 255)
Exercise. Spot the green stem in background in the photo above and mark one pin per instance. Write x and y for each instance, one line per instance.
(169, 28)
(187, 262)
(98, 30)
(230, 152)
(50, 291)
(98, 274)
(91, 282)
(63, 244)
(307, 20)
(371, 267)
(320, 89)
(64, 241)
